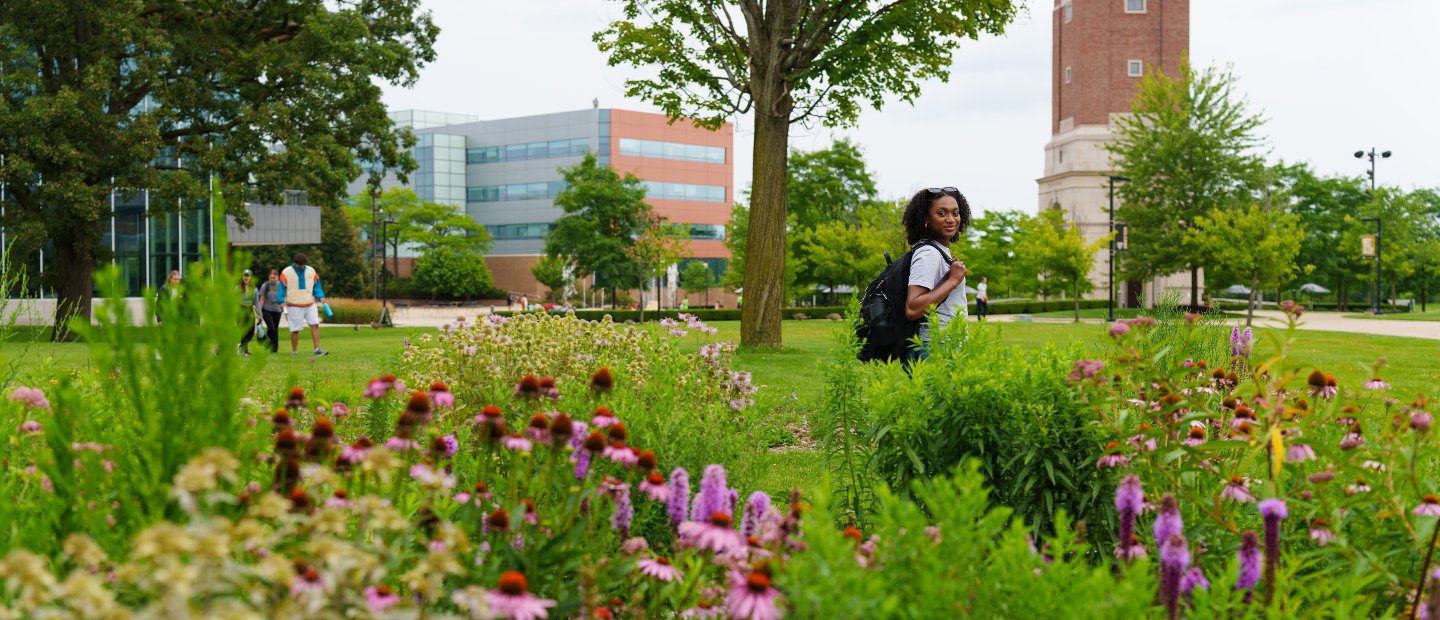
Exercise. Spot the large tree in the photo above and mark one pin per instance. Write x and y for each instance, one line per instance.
(788, 61)
(420, 224)
(1054, 250)
(1260, 242)
(1324, 204)
(163, 94)
(1189, 147)
(604, 214)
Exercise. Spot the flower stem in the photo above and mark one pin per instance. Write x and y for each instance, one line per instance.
(1424, 571)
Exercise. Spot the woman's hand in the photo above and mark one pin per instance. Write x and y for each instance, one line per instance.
(957, 271)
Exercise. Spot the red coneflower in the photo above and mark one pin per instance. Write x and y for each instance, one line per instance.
(853, 533)
(514, 600)
(539, 429)
(497, 521)
(296, 399)
(281, 420)
(529, 386)
(322, 429)
(287, 443)
(603, 417)
(646, 460)
(602, 381)
(299, 501)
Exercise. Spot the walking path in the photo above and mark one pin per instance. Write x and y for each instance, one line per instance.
(1318, 321)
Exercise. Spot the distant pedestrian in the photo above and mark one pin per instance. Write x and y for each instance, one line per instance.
(250, 315)
(301, 295)
(740, 301)
(685, 304)
(169, 290)
(982, 299)
(524, 303)
(509, 301)
(267, 298)
(934, 219)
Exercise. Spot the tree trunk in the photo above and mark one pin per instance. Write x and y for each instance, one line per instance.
(1254, 285)
(75, 284)
(765, 246)
(1077, 300)
(1195, 290)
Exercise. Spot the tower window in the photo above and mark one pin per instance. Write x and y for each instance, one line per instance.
(1067, 75)
(1135, 68)
(1069, 12)
(1134, 6)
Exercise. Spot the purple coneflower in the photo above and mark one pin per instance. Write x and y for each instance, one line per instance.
(380, 387)
(32, 398)
(1119, 329)
(1195, 436)
(308, 580)
(1174, 559)
(621, 454)
(755, 509)
(29, 426)
(1354, 439)
(516, 443)
(659, 568)
(339, 410)
(752, 597)
(1320, 532)
(1129, 499)
(1112, 458)
(1168, 521)
(1429, 506)
(380, 598)
(528, 387)
(514, 600)
(603, 417)
(1420, 420)
(1376, 384)
(712, 535)
(678, 504)
(703, 609)
(1249, 555)
(401, 444)
(1237, 490)
(440, 395)
(548, 389)
(428, 475)
(1194, 578)
(653, 486)
(1142, 441)
(1299, 453)
(538, 430)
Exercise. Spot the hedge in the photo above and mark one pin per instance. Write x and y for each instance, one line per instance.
(820, 312)
(1321, 306)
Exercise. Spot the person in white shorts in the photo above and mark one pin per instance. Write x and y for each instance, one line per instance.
(300, 298)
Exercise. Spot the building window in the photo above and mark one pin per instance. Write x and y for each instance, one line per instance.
(1135, 68)
(1134, 6)
(530, 150)
(514, 191)
(514, 232)
(1059, 156)
(684, 191)
(632, 147)
(1067, 75)
(710, 232)
(1069, 11)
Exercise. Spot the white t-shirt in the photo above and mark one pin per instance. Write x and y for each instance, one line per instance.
(980, 292)
(928, 269)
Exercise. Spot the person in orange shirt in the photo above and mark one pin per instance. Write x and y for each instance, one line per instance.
(300, 296)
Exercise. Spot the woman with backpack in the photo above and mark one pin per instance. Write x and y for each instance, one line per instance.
(935, 218)
(268, 299)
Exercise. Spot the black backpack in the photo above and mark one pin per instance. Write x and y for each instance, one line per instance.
(882, 328)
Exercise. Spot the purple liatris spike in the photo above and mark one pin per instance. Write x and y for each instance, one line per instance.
(1168, 522)
(1273, 510)
(1129, 499)
(1174, 559)
(624, 511)
(714, 495)
(582, 463)
(1249, 555)
(1193, 579)
(755, 508)
(679, 496)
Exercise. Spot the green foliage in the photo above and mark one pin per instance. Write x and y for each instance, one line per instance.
(1056, 252)
(836, 253)
(1189, 149)
(164, 95)
(658, 245)
(993, 241)
(1259, 242)
(843, 411)
(828, 185)
(959, 557)
(604, 214)
(422, 224)
(453, 273)
(550, 272)
(1010, 408)
(696, 278)
(736, 235)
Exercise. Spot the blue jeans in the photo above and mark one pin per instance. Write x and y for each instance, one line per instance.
(916, 353)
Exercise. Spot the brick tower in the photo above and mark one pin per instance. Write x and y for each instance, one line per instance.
(1101, 50)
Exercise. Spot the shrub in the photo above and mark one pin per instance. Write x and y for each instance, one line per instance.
(1010, 408)
(452, 273)
(353, 311)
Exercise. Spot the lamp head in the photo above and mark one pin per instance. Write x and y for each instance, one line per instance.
(1369, 219)
(1385, 155)
(1359, 154)
(1119, 177)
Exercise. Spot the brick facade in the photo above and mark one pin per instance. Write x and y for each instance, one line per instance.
(1097, 45)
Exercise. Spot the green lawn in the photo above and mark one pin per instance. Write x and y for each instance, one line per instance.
(1429, 315)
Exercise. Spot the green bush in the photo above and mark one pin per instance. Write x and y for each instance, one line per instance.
(814, 313)
(452, 273)
(1009, 408)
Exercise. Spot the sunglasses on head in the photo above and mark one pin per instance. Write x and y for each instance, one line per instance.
(943, 190)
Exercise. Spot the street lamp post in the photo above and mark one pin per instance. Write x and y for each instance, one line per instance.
(1379, 237)
(1111, 260)
(1371, 156)
(384, 275)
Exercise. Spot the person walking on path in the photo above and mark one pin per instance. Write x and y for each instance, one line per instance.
(267, 298)
(300, 295)
(982, 299)
(169, 290)
(935, 218)
(250, 314)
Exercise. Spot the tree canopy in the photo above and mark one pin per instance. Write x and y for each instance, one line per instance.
(788, 61)
(162, 95)
(1055, 251)
(604, 214)
(1260, 241)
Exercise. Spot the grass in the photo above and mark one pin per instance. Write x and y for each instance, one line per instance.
(1430, 315)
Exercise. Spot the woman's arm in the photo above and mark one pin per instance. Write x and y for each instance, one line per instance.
(919, 298)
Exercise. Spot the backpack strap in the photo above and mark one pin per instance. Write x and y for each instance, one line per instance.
(934, 244)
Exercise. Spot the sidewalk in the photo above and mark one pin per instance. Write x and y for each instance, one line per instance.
(1317, 321)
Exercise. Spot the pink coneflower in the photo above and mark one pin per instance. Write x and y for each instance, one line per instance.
(354, 453)
(516, 443)
(538, 430)
(401, 444)
(1354, 439)
(428, 475)
(462, 497)
(1420, 421)
(514, 600)
(1236, 490)
(703, 609)
(1376, 384)
(618, 452)
(602, 381)
(1320, 532)
(653, 486)
(1195, 436)
(1429, 506)
(307, 581)
(713, 535)
(1142, 441)
(380, 387)
(1112, 459)
(1119, 329)
(440, 395)
(32, 398)
(548, 389)
(338, 500)
(29, 427)
(660, 568)
(752, 597)
(603, 417)
(339, 410)
(1299, 453)
(380, 598)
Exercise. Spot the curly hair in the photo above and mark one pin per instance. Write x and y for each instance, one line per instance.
(919, 210)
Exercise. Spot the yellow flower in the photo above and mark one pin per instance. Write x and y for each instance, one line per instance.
(1277, 452)
(28, 573)
(162, 539)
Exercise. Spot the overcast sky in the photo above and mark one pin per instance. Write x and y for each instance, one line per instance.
(1331, 77)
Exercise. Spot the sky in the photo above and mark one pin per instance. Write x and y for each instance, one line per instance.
(1330, 76)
